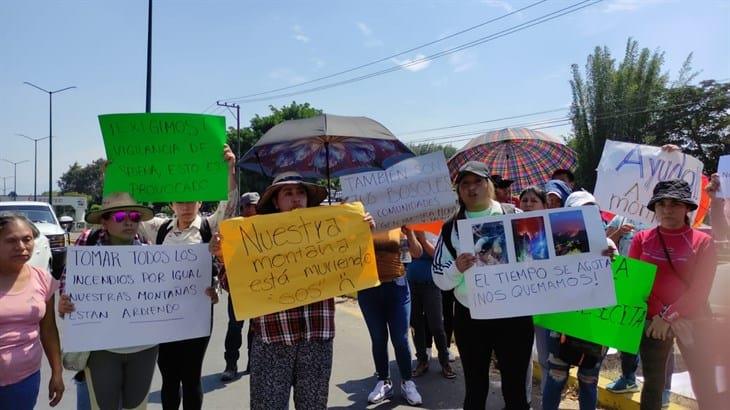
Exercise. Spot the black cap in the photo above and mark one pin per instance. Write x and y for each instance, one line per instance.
(676, 189)
(473, 167)
(501, 183)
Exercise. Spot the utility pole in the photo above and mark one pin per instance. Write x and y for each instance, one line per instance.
(238, 132)
(148, 105)
(35, 163)
(5, 188)
(15, 172)
(50, 134)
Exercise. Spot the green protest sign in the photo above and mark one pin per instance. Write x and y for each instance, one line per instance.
(161, 157)
(618, 326)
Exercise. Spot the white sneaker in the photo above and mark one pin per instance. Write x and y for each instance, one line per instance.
(409, 392)
(382, 391)
(452, 357)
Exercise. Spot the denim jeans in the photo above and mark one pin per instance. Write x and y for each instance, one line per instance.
(234, 339)
(387, 308)
(630, 362)
(21, 395)
(82, 395)
(557, 377)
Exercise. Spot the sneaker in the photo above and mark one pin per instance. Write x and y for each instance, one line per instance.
(420, 369)
(448, 372)
(229, 374)
(382, 391)
(452, 356)
(666, 395)
(622, 385)
(410, 393)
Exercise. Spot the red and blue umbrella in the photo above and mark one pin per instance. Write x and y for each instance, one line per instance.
(522, 155)
(325, 146)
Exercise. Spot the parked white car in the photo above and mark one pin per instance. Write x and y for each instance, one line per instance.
(42, 215)
(42, 255)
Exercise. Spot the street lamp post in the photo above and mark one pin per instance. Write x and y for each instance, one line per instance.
(50, 133)
(5, 188)
(15, 172)
(35, 163)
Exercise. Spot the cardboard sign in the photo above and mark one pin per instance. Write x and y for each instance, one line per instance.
(136, 295)
(280, 261)
(415, 190)
(537, 262)
(165, 157)
(628, 172)
(723, 169)
(619, 326)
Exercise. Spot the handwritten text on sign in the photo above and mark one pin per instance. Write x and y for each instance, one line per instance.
(165, 157)
(136, 295)
(537, 262)
(620, 325)
(284, 260)
(414, 190)
(628, 172)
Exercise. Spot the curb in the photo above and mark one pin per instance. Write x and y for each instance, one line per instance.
(607, 399)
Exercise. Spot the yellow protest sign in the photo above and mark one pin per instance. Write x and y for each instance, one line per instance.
(280, 261)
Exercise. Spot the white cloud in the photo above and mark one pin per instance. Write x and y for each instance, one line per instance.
(408, 64)
(370, 40)
(364, 29)
(629, 5)
(317, 62)
(299, 34)
(287, 75)
(462, 61)
(500, 4)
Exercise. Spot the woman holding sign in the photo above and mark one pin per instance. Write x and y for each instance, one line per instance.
(510, 338)
(187, 226)
(678, 304)
(291, 349)
(117, 375)
(27, 319)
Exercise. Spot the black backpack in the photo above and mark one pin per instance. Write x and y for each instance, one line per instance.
(450, 225)
(166, 227)
(205, 233)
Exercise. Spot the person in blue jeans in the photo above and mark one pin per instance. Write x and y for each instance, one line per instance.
(387, 308)
(621, 230)
(234, 339)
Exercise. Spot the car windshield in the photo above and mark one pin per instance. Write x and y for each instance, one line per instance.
(34, 213)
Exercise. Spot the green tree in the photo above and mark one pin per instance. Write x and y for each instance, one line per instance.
(429, 147)
(696, 118)
(252, 181)
(85, 179)
(613, 102)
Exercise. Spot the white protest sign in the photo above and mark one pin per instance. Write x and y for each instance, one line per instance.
(537, 262)
(128, 296)
(628, 172)
(723, 169)
(414, 190)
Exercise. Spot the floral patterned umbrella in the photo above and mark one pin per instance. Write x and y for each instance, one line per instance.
(520, 154)
(325, 146)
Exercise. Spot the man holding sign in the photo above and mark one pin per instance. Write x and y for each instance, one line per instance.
(293, 347)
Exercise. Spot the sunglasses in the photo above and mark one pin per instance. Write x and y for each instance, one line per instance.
(119, 216)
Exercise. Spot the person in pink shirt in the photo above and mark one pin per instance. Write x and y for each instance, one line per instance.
(678, 303)
(27, 319)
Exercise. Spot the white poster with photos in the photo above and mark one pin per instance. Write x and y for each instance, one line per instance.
(537, 262)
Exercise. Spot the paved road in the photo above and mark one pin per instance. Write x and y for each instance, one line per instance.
(352, 375)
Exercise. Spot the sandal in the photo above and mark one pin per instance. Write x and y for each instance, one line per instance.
(421, 369)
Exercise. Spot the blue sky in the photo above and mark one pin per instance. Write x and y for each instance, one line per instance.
(209, 50)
